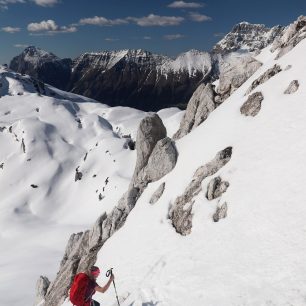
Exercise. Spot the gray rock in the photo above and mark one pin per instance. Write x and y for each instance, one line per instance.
(41, 288)
(292, 35)
(82, 248)
(158, 193)
(234, 71)
(161, 161)
(151, 129)
(264, 77)
(288, 67)
(293, 87)
(198, 109)
(216, 187)
(220, 213)
(180, 212)
(252, 105)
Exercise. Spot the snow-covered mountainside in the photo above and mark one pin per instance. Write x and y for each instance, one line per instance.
(64, 159)
(208, 210)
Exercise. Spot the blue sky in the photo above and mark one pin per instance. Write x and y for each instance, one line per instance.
(70, 27)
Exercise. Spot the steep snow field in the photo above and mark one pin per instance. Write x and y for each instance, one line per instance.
(43, 139)
(255, 256)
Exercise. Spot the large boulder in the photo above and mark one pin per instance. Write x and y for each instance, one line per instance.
(252, 105)
(293, 87)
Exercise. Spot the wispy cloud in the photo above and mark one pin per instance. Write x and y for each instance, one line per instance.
(199, 17)
(156, 20)
(111, 39)
(49, 27)
(147, 37)
(102, 21)
(173, 36)
(5, 3)
(183, 4)
(46, 3)
(219, 34)
(20, 46)
(10, 30)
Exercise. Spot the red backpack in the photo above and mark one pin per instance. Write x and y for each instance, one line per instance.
(78, 289)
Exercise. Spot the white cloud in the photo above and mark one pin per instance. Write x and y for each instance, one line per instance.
(173, 36)
(46, 3)
(147, 37)
(156, 20)
(102, 21)
(49, 27)
(4, 3)
(10, 30)
(183, 4)
(199, 17)
(20, 46)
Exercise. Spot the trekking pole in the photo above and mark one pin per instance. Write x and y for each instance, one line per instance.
(109, 273)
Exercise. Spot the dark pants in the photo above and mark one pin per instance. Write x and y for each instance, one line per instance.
(94, 303)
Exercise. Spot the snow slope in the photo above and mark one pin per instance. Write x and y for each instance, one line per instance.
(44, 138)
(255, 256)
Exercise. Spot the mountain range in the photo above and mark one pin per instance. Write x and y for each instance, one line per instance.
(138, 78)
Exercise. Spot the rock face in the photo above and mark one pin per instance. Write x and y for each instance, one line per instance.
(41, 288)
(252, 105)
(180, 212)
(216, 187)
(220, 213)
(234, 71)
(293, 87)
(264, 77)
(158, 193)
(198, 109)
(82, 248)
(247, 36)
(292, 35)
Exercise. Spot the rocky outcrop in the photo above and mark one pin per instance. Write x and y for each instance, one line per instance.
(221, 212)
(82, 248)
(41, 288)
(234, 71)
(293, 87)
(292, 35)
(198, 109)
(216, 187)
(252, 105)
(264, 77)
(180, 212)
(158, 193)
